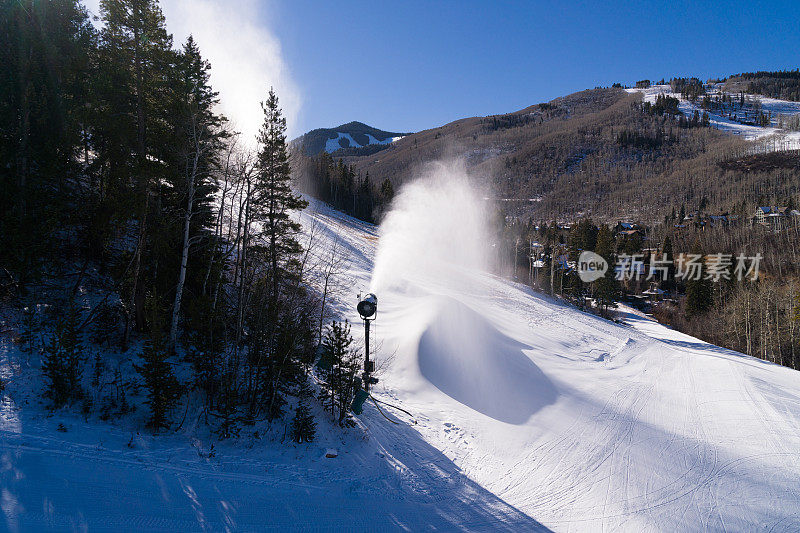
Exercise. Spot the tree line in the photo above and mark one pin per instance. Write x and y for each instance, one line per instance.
(136, 222)
(338, 184)
(781, 84)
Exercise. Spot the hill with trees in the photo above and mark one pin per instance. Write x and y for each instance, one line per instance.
(353, 138)
(599, 152)
(781, 84)
(149, 258)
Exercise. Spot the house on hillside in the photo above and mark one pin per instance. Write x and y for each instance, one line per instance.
(775, 217)
(631, 232)
(627, 228)
(654, 293)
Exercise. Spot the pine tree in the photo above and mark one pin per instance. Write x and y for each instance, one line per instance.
(668, 282)
(699, 291)
(133, 135)
(162, 386)
(386, 194)
(63, 359)
(274, 199)
(276, 321)
(163, 389)
(338, 385)
(606, 288)
(304, 429)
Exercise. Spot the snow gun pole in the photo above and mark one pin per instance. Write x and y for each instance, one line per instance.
(366, 355)
(368, 309)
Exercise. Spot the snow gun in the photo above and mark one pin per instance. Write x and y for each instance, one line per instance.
(368, 310)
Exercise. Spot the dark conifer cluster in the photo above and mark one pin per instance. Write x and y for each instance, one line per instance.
(339, 185)
(134, 223)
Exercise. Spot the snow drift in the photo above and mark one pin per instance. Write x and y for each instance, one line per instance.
(467, 358)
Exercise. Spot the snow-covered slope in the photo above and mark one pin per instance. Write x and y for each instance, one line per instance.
(530, 415)
(774, 137)
(350, 135)
(346, 140)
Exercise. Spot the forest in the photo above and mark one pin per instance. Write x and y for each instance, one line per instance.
(149, 251)
(331, 180)
(782, 84)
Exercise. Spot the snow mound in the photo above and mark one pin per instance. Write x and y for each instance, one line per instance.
(467, 358)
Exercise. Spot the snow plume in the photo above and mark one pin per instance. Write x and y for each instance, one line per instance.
(245, 55)
(436, 230)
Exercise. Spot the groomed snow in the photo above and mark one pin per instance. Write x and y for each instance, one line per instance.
(531, 415)
(331, 145)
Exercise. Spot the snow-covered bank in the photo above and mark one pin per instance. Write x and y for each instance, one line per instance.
(530, 415)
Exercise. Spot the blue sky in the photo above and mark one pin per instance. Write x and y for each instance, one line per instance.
(410, 65)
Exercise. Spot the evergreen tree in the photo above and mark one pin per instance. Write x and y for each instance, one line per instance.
(364, 207)
(667, 255)
(699, 291)
(606, 288)
(304, 429)
(63, 359)
(136, 64)
(274, 199)
(163, 389)
(339, 374)
(162, 386)
(277, 322)
(386, 194)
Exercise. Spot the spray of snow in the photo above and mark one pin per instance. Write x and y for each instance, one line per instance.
(436, 231)
(429, 275)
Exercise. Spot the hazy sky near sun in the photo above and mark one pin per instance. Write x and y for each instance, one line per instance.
(246, 58)
(414, 64)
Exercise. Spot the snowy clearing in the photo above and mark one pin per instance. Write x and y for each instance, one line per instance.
(773, 138)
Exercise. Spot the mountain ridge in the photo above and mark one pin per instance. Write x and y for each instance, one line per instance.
(351, 138)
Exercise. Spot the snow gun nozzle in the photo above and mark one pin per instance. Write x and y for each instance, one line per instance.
(368, 306)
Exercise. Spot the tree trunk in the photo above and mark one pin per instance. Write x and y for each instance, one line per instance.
(176, 306)
(191, 179)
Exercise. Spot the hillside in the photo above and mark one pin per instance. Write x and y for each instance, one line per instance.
(527, 415)
(346, 139)
(597, 153)
(783, 84)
